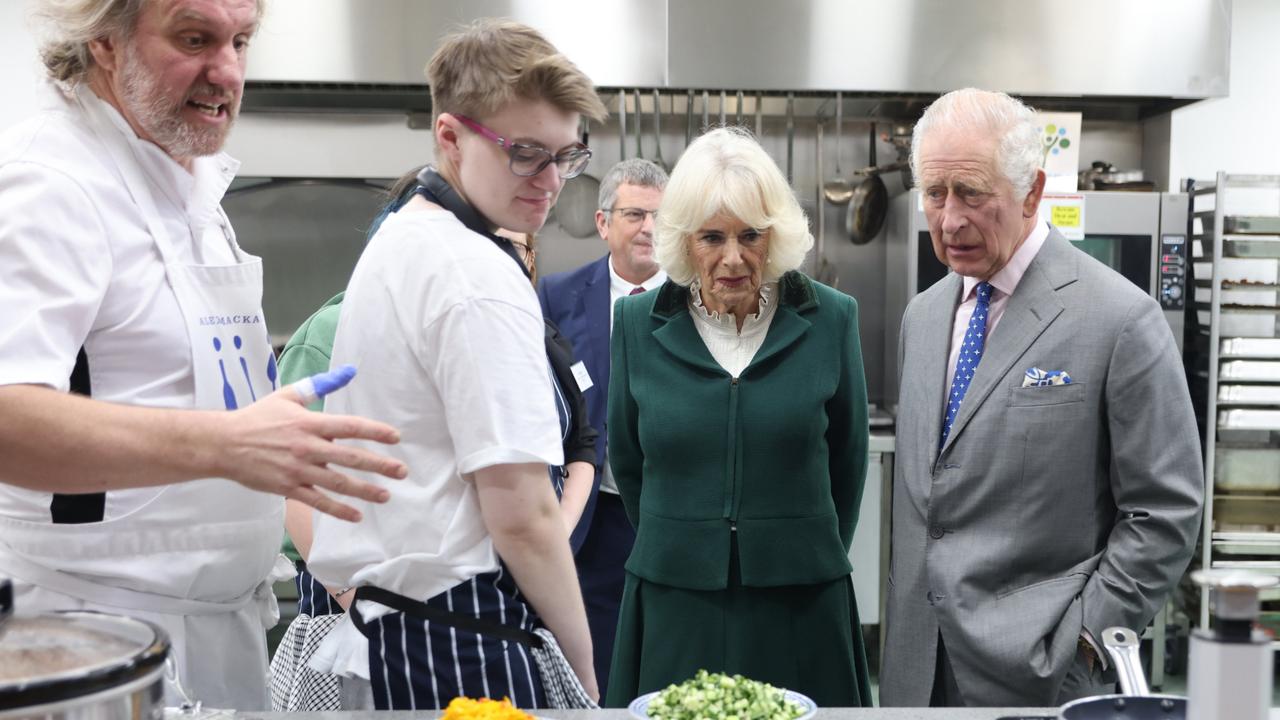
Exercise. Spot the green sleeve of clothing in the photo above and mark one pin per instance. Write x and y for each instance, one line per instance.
(300, 361)
(626, 459)
(307, 353)
(847, 432)
(289, 551)
(297, 362)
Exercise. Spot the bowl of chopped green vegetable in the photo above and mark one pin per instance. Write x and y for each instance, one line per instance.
(722, 697)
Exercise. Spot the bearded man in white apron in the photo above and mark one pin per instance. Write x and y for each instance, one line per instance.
(121, 279)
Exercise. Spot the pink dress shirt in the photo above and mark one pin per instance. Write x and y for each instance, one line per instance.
(1003, 284)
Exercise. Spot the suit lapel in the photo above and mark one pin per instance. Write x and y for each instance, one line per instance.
(936, 337)
(1032, 308)
(680, 338)
(785, 329)
(595, 306)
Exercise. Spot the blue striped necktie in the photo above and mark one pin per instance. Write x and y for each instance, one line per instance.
(970, 354)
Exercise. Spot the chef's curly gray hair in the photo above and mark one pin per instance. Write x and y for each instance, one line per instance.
(1013, 124)
(68, 26)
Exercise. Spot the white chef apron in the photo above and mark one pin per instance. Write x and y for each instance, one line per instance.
(198, 558)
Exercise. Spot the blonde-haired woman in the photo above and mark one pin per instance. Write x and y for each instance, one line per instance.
(738, 438)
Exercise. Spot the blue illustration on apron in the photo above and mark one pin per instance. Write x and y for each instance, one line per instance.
(244, 365)
(228, 395)
(271, 369)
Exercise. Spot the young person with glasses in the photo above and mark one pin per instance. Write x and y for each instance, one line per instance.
(471, 552)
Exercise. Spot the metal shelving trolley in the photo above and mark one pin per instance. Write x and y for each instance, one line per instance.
(1236, 236)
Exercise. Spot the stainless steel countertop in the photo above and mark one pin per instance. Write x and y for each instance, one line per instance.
(823, 714)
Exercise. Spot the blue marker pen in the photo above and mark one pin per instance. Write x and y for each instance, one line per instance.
(317, 386)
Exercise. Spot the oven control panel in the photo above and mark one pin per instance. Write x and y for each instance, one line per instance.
(1173, 271)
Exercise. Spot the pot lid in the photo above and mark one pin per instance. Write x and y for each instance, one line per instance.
(59, 656)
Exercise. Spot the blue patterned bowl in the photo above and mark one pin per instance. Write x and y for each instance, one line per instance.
(639, 708)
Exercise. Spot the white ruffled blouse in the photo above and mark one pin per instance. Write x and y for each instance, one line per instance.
(731, 348)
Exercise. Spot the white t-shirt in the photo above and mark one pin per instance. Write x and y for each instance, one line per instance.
(79, 268)
(447, 335)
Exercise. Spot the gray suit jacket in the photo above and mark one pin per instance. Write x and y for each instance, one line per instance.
(1049, 509)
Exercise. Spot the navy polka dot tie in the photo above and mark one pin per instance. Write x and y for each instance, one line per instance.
(970, 354)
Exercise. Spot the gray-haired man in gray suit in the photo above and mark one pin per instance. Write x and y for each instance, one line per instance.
(1048, 481)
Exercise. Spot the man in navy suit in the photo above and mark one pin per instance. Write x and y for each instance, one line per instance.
(580, 303)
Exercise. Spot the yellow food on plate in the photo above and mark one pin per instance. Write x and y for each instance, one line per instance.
(464, 708)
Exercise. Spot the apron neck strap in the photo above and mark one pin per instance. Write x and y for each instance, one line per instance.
(127, 163)
(434, 188)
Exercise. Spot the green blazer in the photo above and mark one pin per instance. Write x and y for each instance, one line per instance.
(777, 455)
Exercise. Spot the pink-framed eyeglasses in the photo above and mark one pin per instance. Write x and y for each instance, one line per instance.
(529, 160)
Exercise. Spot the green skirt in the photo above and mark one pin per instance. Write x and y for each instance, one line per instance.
(805, 638)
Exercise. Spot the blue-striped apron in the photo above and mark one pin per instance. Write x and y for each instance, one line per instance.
(313, 599)
(417, 664)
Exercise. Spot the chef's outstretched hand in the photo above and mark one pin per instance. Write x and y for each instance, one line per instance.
(281, 447)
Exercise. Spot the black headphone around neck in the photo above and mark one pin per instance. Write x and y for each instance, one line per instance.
(433, 187)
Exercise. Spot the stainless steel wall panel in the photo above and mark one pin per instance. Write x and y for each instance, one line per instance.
(616, 42)
(1174, 48)
(1099, 48)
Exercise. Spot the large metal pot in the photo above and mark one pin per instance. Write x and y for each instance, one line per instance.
(79, 665)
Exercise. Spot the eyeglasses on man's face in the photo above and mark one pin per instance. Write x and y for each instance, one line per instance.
(529, 160)
(634, 215)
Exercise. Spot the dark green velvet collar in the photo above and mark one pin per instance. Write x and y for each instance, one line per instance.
(795, 289)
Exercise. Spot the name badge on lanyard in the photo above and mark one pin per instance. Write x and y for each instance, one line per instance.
(581, 375)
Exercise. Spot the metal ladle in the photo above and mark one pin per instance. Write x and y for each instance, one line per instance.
(657, 132)
(838, 191)
(639, 115)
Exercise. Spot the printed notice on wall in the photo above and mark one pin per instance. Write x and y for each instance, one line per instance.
(1064, 212)
(1060, 150)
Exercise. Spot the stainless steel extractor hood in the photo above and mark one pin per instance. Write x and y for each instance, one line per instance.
(369, 54)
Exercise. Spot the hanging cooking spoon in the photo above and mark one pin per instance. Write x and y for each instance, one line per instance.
(639, 117)
(657, 131)
(838, 190)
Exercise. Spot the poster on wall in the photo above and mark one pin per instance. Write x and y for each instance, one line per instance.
(1060, 150)
(1065, 212)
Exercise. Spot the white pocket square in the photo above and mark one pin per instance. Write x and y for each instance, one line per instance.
(1035, 377)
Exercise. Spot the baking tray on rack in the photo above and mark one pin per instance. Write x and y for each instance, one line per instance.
(1250, 348)
(1253, 512)
(1252, 224)
(1248, 419)
(1255, 321)
(1250, 371)
(1246, 543)
(1270, 567)
(1251, 246)
(1249, 394)
(1247, 469)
